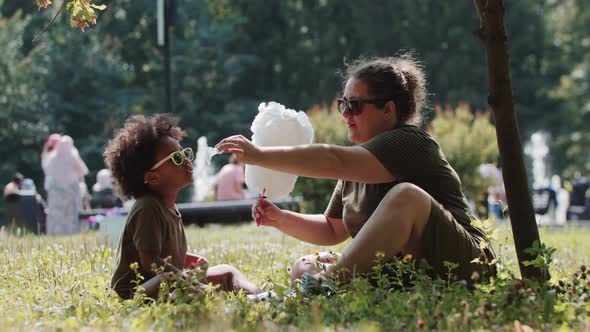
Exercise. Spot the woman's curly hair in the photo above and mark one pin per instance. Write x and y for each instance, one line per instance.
(132, 151)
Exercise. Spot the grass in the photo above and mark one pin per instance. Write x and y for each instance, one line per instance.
(61, 283)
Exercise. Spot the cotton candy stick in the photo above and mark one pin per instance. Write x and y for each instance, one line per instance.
(262, 196)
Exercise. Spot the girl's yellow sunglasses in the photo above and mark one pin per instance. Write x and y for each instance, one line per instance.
(177, 158)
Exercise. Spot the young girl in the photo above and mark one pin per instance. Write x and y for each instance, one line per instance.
(149, 165)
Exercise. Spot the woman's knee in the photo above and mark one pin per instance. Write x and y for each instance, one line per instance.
(411, 205)
(407, 197)
(405, 193)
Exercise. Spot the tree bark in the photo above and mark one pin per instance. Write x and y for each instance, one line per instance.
(522, 216)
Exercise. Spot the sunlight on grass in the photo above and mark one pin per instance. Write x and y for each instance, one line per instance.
(62, 282)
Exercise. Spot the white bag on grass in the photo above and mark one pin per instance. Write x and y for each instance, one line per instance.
(275, 125)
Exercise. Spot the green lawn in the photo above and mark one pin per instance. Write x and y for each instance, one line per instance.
(62, 283)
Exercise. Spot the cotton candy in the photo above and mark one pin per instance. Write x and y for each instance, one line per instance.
(275, 125)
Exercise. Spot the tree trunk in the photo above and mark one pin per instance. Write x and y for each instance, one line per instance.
(522, 216)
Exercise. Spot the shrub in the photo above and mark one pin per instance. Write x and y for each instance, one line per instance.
(467, 140)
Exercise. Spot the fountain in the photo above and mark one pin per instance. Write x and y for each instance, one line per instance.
(203, 175)
(537, 149)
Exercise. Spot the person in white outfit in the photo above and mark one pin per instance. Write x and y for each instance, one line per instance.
(65, 169)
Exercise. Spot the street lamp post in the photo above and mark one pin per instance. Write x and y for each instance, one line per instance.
(165, 15)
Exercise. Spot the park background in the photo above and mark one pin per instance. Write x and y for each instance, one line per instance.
(227, 57)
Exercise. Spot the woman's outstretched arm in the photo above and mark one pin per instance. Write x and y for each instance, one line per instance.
(312, 228)
(324, 161)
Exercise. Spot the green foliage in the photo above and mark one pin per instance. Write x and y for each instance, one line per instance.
(329, 128)
(90, 96)
(23, 104)
(489, 229)
(210, 92)
(82, 12)
(570, 91)
(225, 62)
(467, 140)
(62, 283)
(543, 256)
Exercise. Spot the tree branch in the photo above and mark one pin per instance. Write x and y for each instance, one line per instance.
(63, 3)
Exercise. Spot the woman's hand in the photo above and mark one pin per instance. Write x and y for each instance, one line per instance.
(266, 213)
(246, 151)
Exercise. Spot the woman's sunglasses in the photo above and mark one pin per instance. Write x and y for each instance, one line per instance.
(355, 106)
(177, 158)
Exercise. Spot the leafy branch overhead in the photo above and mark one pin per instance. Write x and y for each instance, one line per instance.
(82, 12)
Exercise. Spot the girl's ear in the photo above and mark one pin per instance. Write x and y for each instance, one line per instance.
(390, 107)
(151, 178)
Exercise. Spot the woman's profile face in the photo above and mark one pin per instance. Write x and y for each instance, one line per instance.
(371, 121)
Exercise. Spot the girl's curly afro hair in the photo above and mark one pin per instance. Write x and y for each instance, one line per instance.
(132, 150)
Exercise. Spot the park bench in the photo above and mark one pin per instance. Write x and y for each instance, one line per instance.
(112, 221)
(543, 200)
(201, 213)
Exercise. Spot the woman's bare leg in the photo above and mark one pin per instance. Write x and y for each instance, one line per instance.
(396, 226)
(230, 279)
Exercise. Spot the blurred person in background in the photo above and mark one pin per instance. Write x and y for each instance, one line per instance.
(103, 194)
(84, 195)
(48, 146)
(13, 187)
(33, 207)
(12, 200)
(65, 170)
(229, 182)
(496, 195)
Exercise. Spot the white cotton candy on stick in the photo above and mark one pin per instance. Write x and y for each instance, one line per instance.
(275, 125)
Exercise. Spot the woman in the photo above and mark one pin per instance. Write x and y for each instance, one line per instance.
(64, 169)
(396, 193)
(230, 180)
(48, 147)
(103, 193)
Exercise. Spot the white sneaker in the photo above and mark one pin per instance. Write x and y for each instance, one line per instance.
(262, 297)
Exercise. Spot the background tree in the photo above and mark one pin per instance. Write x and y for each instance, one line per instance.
(23, 103)
(571, 137)
(230, 55)
(500, 98)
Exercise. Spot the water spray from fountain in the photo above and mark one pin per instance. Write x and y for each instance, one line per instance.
(537, 149)
(203, 175)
